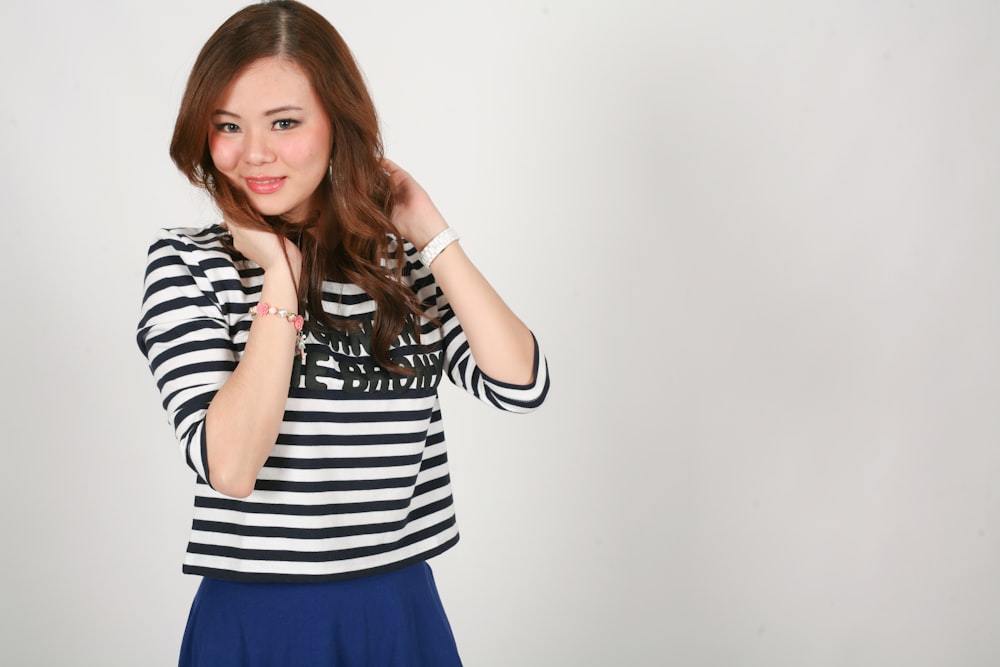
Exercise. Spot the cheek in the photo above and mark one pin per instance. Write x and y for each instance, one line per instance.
(299, 155)
(224, 151)
(312, 150)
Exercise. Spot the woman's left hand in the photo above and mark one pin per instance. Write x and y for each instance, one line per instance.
(414, 214)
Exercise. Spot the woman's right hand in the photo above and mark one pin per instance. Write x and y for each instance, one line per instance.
(264, 248)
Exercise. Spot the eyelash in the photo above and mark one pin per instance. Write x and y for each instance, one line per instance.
(232, 128)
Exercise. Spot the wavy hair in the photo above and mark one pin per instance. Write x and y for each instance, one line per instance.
(354, 240)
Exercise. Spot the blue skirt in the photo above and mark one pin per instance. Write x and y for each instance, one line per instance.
(392, 619)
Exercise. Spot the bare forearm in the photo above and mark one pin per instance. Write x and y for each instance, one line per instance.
(501, 344)
(245, 416)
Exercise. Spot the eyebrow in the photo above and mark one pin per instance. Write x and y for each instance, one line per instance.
(270, 112)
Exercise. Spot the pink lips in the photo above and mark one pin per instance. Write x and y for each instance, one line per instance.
(265, 186)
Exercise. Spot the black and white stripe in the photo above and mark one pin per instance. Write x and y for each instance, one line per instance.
(357, 481)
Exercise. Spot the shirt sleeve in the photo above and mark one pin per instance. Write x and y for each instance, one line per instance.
(185, 338)
(459, 363)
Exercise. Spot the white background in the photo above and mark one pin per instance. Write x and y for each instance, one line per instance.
(758, 241)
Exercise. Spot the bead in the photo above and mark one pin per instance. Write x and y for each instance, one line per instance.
(296, 320)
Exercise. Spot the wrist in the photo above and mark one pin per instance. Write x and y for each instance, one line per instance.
(425, 230)
(436, 245)
(264, 309)
(282, 270)
(280, 287)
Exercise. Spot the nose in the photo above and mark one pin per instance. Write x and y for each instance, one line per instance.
(258, 148)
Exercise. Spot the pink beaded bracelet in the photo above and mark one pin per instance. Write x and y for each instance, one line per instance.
(262, 309)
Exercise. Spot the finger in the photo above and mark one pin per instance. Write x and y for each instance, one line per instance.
(397, 175)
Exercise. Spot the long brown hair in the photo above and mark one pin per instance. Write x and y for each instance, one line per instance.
(354, 240)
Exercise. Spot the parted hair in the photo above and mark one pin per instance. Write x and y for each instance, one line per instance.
(353, 240)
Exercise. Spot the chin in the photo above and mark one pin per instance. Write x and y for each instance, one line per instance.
(270, 208)
(271, 212)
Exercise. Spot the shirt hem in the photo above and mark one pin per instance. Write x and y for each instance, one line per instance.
(273, 577)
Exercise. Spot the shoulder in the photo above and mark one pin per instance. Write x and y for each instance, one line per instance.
(191, 238)
(408, 248)
(419, 278)
(191, 256)
(415, 274)
(411, 257)
(204, 246)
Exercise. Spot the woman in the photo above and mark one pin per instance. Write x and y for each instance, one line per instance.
(298, 347)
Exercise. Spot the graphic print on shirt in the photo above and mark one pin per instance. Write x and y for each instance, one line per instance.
(348, 356)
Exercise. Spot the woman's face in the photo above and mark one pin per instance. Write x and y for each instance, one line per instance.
(271, 137)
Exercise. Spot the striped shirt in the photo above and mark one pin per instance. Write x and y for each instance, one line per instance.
(357, 481)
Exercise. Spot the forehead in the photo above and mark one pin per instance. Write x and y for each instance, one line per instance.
(266, 84)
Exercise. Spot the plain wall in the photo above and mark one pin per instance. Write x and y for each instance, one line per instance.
(758, 242)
